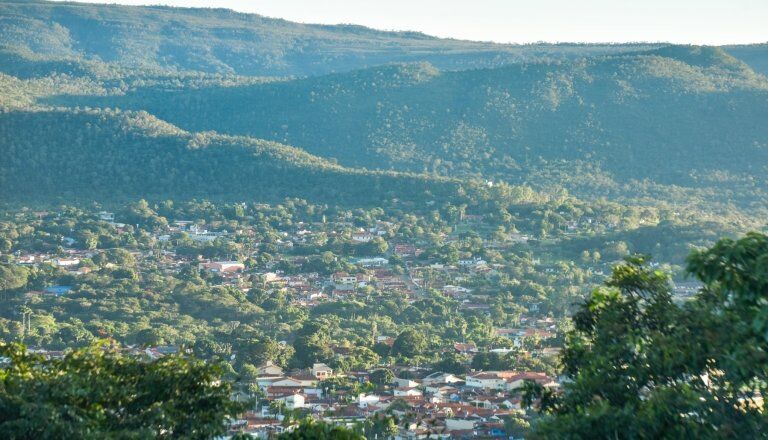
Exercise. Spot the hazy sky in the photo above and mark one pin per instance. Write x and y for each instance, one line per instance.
(520, 21)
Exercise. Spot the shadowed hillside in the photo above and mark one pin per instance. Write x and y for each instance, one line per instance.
(90, 155)
(679, 115)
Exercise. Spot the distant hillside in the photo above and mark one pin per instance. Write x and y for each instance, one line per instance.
(756, 55)
(644, 122)
(678, 115)
(79, 156)
(224, 41)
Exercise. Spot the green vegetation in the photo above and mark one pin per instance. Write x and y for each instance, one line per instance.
(635, 123)
(645, 367)
(620, 125)
(98, 392)
(141, 290)
(69, 155)
(311, 430)
(226, 42)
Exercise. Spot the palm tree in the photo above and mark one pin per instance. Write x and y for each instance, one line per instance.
(26, 319)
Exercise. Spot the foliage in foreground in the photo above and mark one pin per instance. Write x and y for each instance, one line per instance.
(644, 367)
(312, 430)
(97, 392)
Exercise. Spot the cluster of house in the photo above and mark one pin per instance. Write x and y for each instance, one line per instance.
(147, 353)
(70, 261)
(439, 405)
(308, 288)
(429, 405)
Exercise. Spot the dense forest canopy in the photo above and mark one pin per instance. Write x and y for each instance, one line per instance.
(111, 155)
(636, 123)
(638, 126)
(619, 114)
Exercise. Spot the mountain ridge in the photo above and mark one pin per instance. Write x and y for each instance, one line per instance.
(618, 112)
(224, 41)
(641, 121)
(61, 155)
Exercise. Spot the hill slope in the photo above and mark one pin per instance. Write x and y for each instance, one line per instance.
(687, 116)
(756, 55)
(224, 41)
(69, 156)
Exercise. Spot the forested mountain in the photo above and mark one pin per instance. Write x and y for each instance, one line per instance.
(67, 156)
(679, 115)
(648, 122)
(224, 41)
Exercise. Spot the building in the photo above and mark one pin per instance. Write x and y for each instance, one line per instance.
(364, 400)
(270, 369)
(372, 262)
(57, 290)
(440, 378)
(464, 348)
(66, 262)
(362, 237)
(405, 383)
(343, 278)
(472, 262)
(107, 216)
(407, 392)
(223, 267)
(459, 424)
(321, 371)
(517, 381)
(294, 401)
(487, 381)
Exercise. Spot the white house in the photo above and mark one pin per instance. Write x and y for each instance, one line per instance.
(444, 390)
(440, 378)
(203, 235)
(293, 401)
(107, 216)
(372, 262)
(66, 262)
(362, 237)
(363, 400)
(269, 369)
(405, 383)
(472, 262)
(288, 382)
(343, 278)
(321, 371)
(488, 381)
(459, 424)
(407, 392)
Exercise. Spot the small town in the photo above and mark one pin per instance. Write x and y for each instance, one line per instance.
(477, 396)
(463, 376)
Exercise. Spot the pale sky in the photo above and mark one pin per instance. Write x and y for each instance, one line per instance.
(522, 21)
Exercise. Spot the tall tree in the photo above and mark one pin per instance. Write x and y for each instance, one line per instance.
(643, 367)
(97, 392)
(312, 430)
